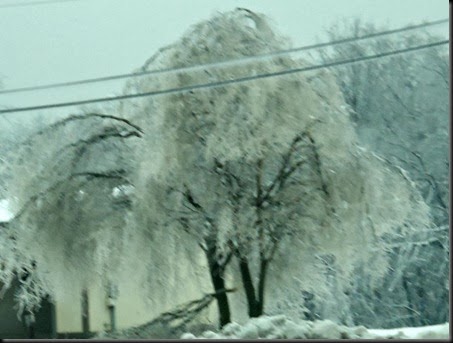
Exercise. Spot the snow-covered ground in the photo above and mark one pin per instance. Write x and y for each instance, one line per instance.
(278, 327)
(441, 331)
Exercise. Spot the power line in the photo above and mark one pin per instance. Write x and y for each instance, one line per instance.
(227, 82)
(34, 3)
(224, 63)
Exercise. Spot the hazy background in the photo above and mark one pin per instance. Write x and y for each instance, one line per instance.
(69, 40)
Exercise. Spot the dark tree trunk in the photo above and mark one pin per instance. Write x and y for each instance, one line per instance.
(217, 277)
(262, 283)
(253, 304)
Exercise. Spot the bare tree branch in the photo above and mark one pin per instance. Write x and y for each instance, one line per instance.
(77, 117)
(116, 174)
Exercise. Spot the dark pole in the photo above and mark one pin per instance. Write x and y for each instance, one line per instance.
(112, 295)
(111, 307)
(53, 321)
(85, 313)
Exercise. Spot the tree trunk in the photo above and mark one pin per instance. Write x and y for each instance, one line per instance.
(217, 277)
(262, 283)
(253, 304)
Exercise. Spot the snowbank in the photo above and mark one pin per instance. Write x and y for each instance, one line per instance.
(440, 331)
(280, 327)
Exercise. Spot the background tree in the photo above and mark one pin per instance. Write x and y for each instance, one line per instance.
(265, 166)
(400, 108)
(70, 220)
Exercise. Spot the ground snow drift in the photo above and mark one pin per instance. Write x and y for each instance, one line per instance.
(441, 331)
(275, 327)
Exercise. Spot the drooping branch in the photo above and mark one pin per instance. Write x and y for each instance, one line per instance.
(318, 165)
(80, 145)
(189, 197)
(431, 179)
(114, 174)
(285, 169)
(187, 312)
(111, 132)
(177, 318)
(411, 112)
(77, 117)
(428, 176)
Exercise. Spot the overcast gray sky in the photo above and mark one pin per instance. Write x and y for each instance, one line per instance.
(81, 39)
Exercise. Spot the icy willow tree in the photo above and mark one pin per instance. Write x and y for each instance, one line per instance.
(263, 168)
(70, 222)
(403, 115)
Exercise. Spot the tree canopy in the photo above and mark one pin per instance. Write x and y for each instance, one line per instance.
(253, 164)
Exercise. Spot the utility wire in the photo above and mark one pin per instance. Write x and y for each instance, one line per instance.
(228, 82)
(225, 63)
(34, 3)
